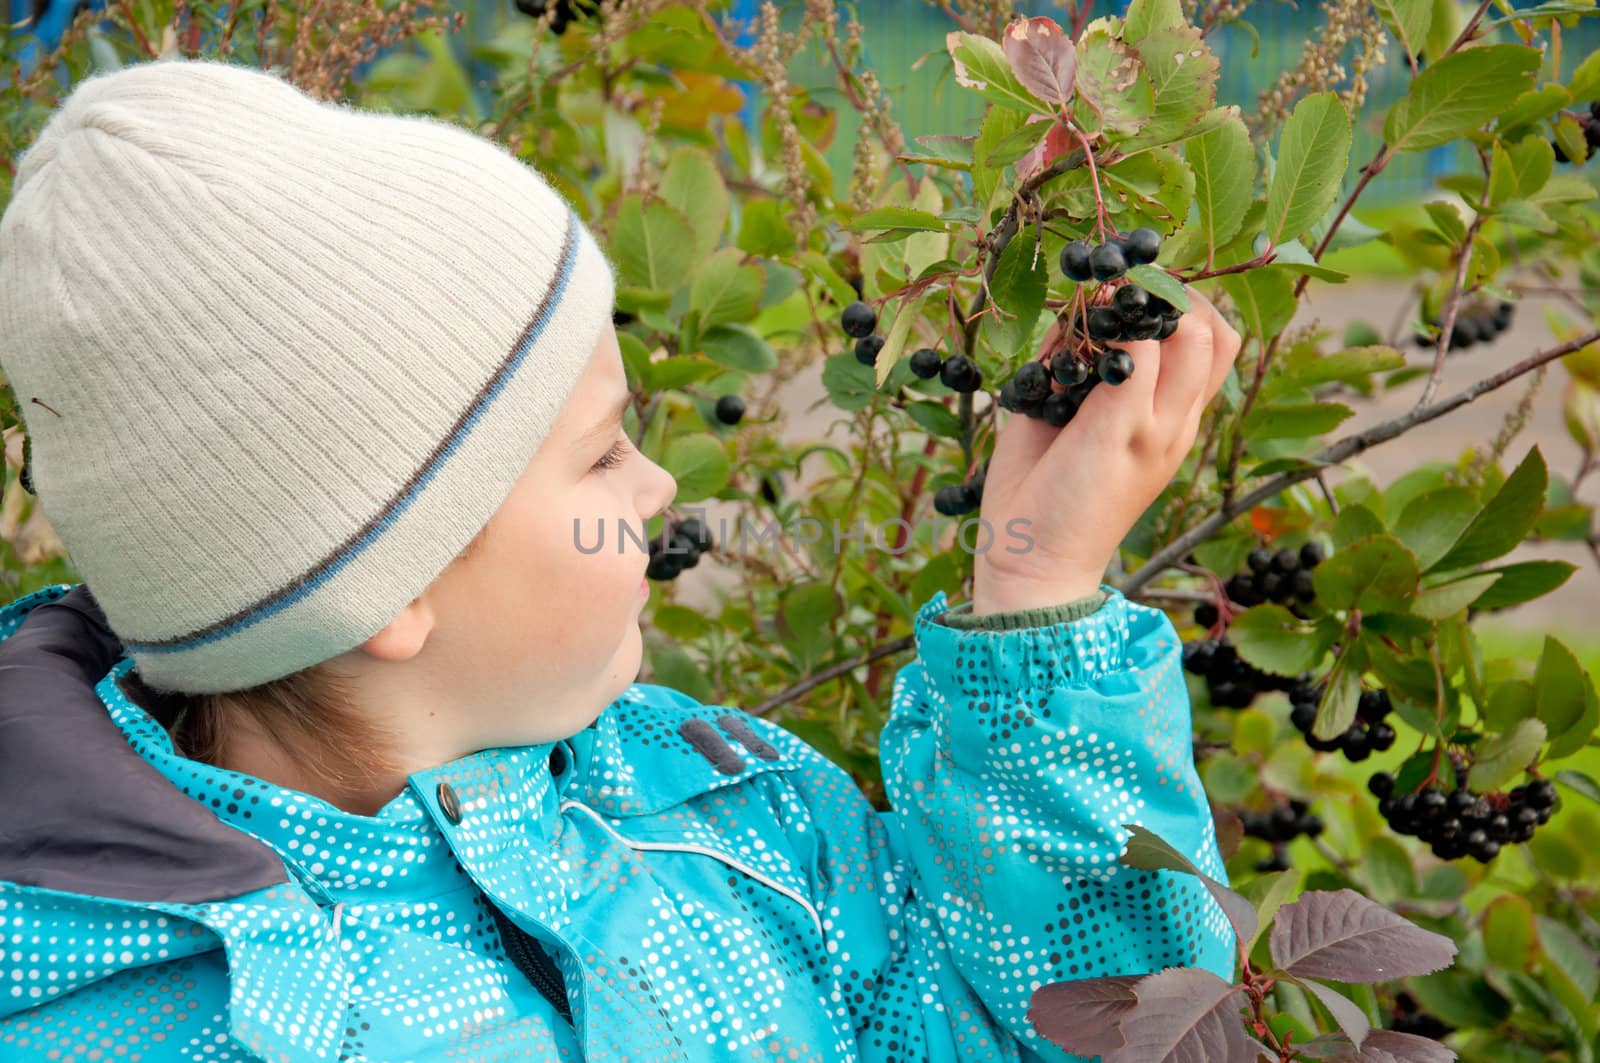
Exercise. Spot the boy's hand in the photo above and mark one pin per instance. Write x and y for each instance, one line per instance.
(1081, 487)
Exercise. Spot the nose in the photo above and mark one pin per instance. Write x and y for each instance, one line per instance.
(659, 489)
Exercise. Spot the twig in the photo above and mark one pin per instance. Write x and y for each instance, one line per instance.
(811, 682)
(1337, 452)
(1447, 326)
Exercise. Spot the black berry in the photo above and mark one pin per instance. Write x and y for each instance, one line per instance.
(730, 409)
(960, 373)
(926, 363)
(1143, 245)
(867, 348)
(859, 319)
(1075, 261)
(1032, 383)
(1107, 262)
(1115, 366)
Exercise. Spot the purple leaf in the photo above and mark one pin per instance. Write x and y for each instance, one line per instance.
(1343, 936)
(1082, 1017)
(1230, 830)
(1184, 1015)
(1149, 851)
(1330, 1047)
(1351, 1019)
(1387, 1046)
(1043, 58)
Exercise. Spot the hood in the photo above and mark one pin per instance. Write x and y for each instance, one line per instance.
(84, 813)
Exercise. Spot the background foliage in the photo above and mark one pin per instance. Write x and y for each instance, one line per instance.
(739, 236)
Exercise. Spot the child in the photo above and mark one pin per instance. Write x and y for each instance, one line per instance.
(315, 398)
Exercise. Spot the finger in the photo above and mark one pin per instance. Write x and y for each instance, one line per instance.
(1120, 411)
(1187, 361)
(1019, 445)
(1226, 342)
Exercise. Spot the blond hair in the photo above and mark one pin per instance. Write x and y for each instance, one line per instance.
(309, 714)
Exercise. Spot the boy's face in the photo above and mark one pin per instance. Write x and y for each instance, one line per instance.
(530, 637)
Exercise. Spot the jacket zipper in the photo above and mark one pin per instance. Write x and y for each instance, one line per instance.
(534, 963)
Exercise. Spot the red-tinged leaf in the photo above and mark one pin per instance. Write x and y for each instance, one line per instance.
(1387, 1046)
(1056, 143)
(1351, 1019)
(1149, 851)
(1342, 936)
(1043, 58)
(1083, 1017)
(1184, 1015)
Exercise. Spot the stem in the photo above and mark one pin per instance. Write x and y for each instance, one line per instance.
(1094, 179)
(1449, 323)
(1341, 450)
(811, 682)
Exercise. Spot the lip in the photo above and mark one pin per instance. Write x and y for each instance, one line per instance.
(644, 587)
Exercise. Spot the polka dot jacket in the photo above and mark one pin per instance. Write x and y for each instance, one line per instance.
(678, 882)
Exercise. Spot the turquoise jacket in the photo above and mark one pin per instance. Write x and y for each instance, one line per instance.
(677, 882)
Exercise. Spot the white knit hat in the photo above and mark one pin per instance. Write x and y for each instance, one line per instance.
(300, 353)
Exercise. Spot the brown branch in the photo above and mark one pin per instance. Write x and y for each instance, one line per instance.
(1337, 452)
(1447, 326)
(811, 682)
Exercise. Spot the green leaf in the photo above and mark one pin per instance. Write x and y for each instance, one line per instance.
(1436, 603)
(1389, 868)
(1535, 105)
(1570, 955)
(1562, 689)
(1457, 94)
(1312, 368)
(1502, 757)
(1502, 176)
(894, 342)
(739, 347)
(672, 667)
(1508, 931)
(1272, 639)
(980, 64)
(723, 290)
(1532, 161)
(1585, 83)
(1312, 154)
(692, 183)
(807, 611)
(1407, 21)
(1509, 703)
(897, 219)
(1268, 893)
(1158, 281)
(1145, 16)
(677, 370)
(1524, 582)
(1018, 287)
(1224, 166)
(1264, 297)
(1579, 782)
(935, 418)
(1114, 95)
(1375, 575)
(1501, 525)
(764, 229)
(1353, 523)
(1183, 76)
(1337, 709)
(699, 463)
(652, 246)
(1431, 523)
(1294, 420)
(849, 383)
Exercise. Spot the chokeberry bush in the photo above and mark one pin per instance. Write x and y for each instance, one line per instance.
(1361, 741)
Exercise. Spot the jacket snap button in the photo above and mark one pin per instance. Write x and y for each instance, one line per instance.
(449, 804)
(558, 760)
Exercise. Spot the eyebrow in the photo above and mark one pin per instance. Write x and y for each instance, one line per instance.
(606, 425)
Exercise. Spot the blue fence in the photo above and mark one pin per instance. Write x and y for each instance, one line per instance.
(898, 32)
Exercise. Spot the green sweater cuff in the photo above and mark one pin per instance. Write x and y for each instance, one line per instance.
(960, 616)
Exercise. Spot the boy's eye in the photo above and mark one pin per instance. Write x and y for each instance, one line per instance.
(615, 456)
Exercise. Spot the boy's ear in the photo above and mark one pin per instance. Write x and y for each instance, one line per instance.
(404, 636)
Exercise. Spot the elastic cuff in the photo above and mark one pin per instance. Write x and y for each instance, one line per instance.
(961, 618)
(1024, 658)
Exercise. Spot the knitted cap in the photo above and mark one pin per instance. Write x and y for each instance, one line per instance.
(300, 353)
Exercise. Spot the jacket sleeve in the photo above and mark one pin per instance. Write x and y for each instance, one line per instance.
(1013, 756)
